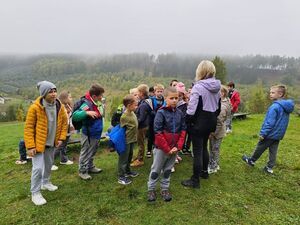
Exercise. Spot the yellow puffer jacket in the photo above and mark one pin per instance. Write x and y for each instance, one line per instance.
(36, 125)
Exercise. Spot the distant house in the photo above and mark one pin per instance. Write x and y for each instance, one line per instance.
(2, 100)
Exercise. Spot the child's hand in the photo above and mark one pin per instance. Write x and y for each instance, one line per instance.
(59, 143)
(31, 152)
(173, 151)
(92, 114)
(261, 138)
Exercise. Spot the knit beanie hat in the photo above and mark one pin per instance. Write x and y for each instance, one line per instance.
(180, 87)
(44, 87)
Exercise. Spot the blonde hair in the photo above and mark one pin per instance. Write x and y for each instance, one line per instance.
(224, 89)
(64, 98)
(133, 91)
(144, 89)
(159, 86)
(206, 69)
(169, 90)
(281, 88)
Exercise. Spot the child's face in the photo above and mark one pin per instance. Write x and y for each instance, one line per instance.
(140, 95)
(97, 98)
(172, 99)
(51, 96)
(223, 94)
(275, 94)
(174, 83)
(132, 106)
(151, 93)
(158, 93)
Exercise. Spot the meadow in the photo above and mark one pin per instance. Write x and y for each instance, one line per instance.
(237, 194)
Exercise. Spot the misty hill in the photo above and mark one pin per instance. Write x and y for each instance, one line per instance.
(17, 72)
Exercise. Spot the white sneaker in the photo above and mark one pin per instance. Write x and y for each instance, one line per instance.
(38, 199)
(54, 168)
(49, 187)
(173, 169)
(228, 131)
(85, 176)
(210, 171)
(69, 162)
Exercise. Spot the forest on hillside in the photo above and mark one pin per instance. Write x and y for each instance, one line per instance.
(21, 71)
(118, 73)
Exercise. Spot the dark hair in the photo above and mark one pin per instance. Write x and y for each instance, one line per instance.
(173, 81)
(96, 89)
(151, 89)
(128, 99)
(231, 84)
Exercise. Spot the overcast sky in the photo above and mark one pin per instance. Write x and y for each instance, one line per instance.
(154, 26)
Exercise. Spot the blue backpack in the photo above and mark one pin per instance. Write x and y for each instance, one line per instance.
(118, 139)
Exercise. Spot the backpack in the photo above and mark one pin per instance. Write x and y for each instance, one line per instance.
(115, 119)
(78, 124)
(117, 139)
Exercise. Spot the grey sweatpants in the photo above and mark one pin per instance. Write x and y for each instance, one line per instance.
(41, 169)
(162, 164)
(262, 146)
(88, 150)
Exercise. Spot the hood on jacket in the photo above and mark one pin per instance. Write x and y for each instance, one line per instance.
(211, 84)
(286, 104)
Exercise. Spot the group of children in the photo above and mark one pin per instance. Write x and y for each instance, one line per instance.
(159, 116)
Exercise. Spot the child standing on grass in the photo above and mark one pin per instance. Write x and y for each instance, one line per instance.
(157, 101)
(143, 114)
(215, 138)
(129, 121)
(92, 124)
(45, 128)
(170, 130)
(273, 128)
(66, 99)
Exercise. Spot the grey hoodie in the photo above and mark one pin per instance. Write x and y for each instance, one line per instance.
(209, 90)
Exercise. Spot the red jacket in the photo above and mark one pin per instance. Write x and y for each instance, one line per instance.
(169, 128)
(235, 101)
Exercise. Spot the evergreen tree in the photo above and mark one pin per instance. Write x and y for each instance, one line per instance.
(221, 72)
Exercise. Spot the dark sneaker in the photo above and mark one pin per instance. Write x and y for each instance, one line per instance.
(204, 174)
(151, 196)
(248, 160)
(190, 183)
(95, 170)
(132, 174)
(148, 155)
(186, 151)
(268, 170)
(124, 181)
(165, 194)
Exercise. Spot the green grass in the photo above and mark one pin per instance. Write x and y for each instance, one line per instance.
(237, 194)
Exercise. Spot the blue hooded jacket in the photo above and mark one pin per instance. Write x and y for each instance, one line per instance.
(277, 119)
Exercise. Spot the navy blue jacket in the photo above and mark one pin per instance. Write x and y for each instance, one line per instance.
(169, 128)
(277, 119)
(143, 114)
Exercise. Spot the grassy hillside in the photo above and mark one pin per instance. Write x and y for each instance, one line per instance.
(238, 194)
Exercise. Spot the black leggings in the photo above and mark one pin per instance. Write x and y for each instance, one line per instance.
(201, 157)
